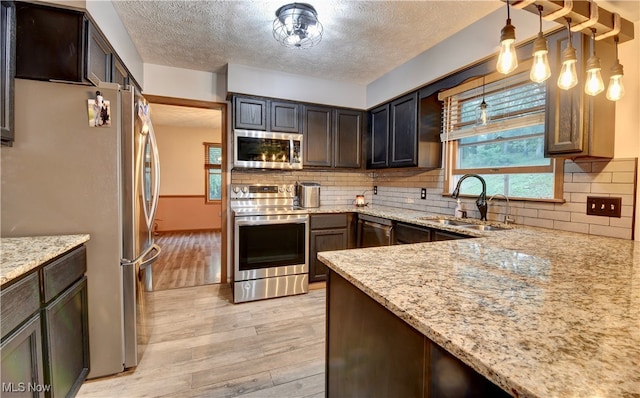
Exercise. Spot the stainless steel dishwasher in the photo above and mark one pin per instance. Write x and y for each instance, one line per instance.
(374, 231)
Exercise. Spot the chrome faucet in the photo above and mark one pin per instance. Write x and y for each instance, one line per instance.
(507, 217)
(481, 202)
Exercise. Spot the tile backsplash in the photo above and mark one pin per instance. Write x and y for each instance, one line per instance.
(337, 188)
(582, 178)
(401, 188)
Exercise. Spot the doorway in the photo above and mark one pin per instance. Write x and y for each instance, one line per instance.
(190, 223)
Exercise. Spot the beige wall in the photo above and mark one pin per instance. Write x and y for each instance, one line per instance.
(182, 179)
(181, 152)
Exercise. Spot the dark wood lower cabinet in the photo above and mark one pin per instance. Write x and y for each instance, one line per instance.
(324, 240)
(21, 353)
(328, 232)
(67, 342)
(45, 329)
(373, 353)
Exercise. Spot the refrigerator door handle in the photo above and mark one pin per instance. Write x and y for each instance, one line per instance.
(125, 262)
(153, 258)
(156, 172)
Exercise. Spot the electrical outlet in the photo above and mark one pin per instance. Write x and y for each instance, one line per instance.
(375, 189)
(423, 193)
(603, 206)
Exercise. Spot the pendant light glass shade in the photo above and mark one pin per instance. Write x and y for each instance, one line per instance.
(507, 59)
(540, 70)
(482, 114)
(594, 84)
(482, 111)
(568, 77)
(615, 91)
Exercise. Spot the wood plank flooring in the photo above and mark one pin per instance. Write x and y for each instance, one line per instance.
(202, 345)
(187, 259)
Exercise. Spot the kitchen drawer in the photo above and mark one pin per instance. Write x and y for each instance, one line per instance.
(324, 221)
(18, 302)
(62, 272)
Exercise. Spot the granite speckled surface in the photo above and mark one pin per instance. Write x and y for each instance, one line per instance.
(541, 313)
(20, 255)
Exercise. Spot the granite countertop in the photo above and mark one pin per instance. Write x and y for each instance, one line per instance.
(541, 313)
(20, 255)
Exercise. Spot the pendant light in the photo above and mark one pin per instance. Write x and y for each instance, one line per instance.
(482, 112)
(507, 59)
(568, 74)
(594, 84)
(615, 91)
(540, 70)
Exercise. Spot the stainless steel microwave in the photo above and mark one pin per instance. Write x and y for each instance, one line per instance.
(267, 150)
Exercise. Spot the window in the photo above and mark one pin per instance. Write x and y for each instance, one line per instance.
(213, 171)
(508, 152)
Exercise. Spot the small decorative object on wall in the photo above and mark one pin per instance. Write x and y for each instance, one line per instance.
(99, 111)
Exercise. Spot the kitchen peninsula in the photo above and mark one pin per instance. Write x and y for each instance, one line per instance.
(538, 313)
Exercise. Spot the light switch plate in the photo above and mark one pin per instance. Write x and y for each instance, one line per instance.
(423, 193)
(375, 189)
(604, 206)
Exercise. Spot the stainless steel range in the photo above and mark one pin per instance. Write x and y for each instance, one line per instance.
(270, 243)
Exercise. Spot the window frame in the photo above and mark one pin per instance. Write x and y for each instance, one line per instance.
(211, 166)
(451, 148)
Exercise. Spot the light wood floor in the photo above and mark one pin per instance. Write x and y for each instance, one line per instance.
(187, 259)
(202, 345)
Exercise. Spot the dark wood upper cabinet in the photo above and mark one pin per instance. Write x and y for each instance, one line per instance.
(250, 113)
(332, 137)
(347, 140)
(99, 56)
(403, 134)
(577, 124)
(119, 73)
(49, 43)
(317, 130)
(406, 132)
(8, 59)
(378, 138)
(285, 117)
(61, 44)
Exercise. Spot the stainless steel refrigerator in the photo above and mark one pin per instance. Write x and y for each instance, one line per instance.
(64, 176)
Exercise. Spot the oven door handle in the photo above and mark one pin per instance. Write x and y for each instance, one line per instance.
(267, 220)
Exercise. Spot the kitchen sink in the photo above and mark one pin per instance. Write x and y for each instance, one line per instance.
(482, 227)
(446, 221)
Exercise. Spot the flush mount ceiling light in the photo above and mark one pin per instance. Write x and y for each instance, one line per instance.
(297, 26)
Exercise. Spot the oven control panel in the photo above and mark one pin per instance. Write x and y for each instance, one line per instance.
(261, 191)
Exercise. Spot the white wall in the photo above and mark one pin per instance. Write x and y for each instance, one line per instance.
(184, 83)
(248, 80)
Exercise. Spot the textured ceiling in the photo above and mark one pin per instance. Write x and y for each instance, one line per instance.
(182, 116)
(362, 39)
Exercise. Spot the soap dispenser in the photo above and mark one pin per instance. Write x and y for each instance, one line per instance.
(458, 212)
